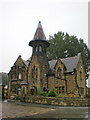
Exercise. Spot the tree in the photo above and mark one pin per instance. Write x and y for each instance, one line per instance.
(4, 78)
(63, 45)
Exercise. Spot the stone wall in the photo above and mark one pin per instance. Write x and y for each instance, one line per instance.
(71, 84)
(81, 77)
(57, 101)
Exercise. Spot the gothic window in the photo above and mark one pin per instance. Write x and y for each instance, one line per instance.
(59, 72)
(20, 76)
(32, 73)
(12, 76)
(63, 89)
(36, 48)
(45, 66)
(15, 75)
(80, 75)
(40, 48)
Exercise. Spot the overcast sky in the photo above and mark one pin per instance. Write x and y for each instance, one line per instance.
(19, 20)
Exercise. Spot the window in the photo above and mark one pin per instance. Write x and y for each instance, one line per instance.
(60, 89)
(36, 48)
(40, 48)
(20, 76)
(80, 75)
(63, 89)
(59, 72)
(32, 73)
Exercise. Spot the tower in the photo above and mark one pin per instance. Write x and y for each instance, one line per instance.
(38, 67)
(39, 42)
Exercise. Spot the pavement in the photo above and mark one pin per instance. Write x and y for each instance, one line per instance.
(29, 110)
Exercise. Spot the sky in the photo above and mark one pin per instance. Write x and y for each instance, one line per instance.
(19, 20)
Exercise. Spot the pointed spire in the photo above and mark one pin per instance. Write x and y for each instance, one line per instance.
(39, 34)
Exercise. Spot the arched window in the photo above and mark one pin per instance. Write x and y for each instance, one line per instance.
(36, 48)
(40, 48)
(59, 72)
(32, 73)
(80, 75)
(20, 76)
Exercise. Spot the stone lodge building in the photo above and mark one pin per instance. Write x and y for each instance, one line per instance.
(65, 75)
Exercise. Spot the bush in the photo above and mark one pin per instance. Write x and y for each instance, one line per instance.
(52, 93)
(43, 94)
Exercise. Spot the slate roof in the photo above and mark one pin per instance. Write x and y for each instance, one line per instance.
(70, 63)
(26, 62)
(39, 34)
(52, 64)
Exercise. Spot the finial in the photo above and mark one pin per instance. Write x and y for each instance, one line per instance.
(20, 56)
(39, 22)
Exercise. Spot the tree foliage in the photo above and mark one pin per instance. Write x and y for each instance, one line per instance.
(4, 78)
(63, 45)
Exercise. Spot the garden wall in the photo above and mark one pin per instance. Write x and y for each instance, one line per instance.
(57, 101)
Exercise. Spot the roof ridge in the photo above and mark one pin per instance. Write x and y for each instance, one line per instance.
(69, 57)
(54, 59)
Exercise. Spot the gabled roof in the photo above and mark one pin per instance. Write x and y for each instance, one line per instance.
(26, 62)
(70, 63)
(52, 64)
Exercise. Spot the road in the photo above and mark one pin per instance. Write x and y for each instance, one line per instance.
(29, 110)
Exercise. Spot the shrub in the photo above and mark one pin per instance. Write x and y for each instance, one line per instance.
(17, 98)
(43, 94)
(52, 93)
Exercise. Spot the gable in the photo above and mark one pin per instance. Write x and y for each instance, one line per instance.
(54, 64)
(71, 62)
(19, 62)
(59, 66)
